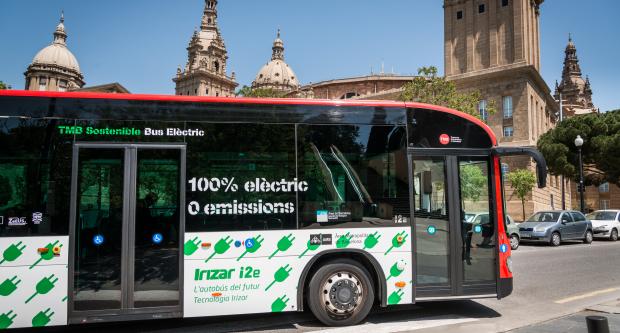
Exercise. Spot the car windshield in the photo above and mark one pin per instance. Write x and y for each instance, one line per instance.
(469, 217)
(544, 217)
(602, 216)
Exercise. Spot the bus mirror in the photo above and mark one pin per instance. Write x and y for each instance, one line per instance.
(541, 164)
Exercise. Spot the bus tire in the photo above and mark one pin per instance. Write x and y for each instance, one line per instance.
(341, 293)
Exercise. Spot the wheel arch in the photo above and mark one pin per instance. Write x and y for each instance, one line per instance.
(366, 259)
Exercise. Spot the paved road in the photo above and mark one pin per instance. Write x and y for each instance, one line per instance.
(549, 283)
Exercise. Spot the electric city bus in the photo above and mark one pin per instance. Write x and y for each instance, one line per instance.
(118, 207)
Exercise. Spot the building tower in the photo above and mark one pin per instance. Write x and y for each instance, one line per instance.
(205, 71)
(277, 74)
(575, 91)
(55, 68)
(493, 46)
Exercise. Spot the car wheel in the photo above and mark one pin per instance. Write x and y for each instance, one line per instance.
(614, 235)
(514, 242)
(556, 239)
(588, 238)
(341, 293)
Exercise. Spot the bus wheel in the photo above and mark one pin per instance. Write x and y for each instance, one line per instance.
(341, 293)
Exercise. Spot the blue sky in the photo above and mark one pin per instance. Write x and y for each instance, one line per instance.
(140, 43)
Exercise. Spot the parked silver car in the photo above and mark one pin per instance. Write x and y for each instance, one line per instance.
(605, 223)
(555, 226)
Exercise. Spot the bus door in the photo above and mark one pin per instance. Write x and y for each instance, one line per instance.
(126, 229)
(454, 244)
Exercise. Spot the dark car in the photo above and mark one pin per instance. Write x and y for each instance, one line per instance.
(553, 227)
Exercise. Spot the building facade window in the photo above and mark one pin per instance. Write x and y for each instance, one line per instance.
(603, 188)
(552, 201)
(508, 131)
(62, 85)
(459, 15)
(481, 8)
(482, 108)
(42, 83)
(507, 106)
(505, 168)
(504, 3)
(604, 204)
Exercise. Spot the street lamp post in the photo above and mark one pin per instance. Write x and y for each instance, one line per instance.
(578, 144)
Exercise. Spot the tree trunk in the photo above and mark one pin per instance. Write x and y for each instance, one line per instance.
(523, 207)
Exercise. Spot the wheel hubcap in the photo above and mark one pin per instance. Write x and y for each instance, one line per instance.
(342, 293)
(514, 241)
(556, 239)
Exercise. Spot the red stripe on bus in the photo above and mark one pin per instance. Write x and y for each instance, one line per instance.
(244, 100)
(504, 272)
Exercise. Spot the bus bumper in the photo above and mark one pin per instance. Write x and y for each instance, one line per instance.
(504, 287)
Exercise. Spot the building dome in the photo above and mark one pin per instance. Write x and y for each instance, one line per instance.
(277, 74)
(57, 54)
(55, 68)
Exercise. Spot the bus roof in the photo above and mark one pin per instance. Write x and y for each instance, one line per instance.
(245, 100)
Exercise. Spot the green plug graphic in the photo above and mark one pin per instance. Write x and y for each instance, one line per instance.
(256, 242)
(6, 319)
(283, 244)
(397, 241)
(279, 304)
(395, 297)
(44, 286)
(13, 252)
(221, 247)
(281, 274)
(311, 247)
(8, 286)
(191, 246)
(371, 240)
(49, 255)
(395, 270)
(344, 241)
(42, 318)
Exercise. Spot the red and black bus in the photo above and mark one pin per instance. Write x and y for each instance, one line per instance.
(121, 207)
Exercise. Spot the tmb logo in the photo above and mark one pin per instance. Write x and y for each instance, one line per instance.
(444, 139)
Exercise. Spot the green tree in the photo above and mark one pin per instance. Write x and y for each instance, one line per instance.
(522, 182)
(4, 86)
(601, 147)
(473, 183)
(429, 88)
(246, 91)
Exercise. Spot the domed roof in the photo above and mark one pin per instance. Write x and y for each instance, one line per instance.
(57, 53)
(276, 74)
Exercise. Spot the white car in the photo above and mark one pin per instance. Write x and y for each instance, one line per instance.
(605, 223)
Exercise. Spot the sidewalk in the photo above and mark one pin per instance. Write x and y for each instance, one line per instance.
(576, 323)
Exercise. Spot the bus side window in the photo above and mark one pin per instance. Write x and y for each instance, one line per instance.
(357, 176)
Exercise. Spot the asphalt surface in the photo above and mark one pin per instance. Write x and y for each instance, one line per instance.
(549, 283)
